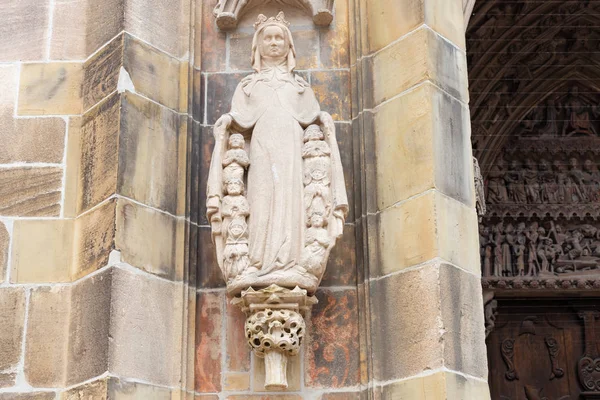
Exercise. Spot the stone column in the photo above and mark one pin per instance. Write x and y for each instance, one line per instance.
(422, 308)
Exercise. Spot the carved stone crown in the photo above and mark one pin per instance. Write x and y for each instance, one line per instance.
(262, 20)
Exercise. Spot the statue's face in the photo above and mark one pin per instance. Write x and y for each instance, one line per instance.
(234, 188)
(273, 44)
(236, 141)
(317, 220)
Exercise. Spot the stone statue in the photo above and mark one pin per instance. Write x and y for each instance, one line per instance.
(273, 239)
(579, 116)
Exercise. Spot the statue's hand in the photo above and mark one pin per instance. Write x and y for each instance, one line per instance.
(328, 124)
(221, 126)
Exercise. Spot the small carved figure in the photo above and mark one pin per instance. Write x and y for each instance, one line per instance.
(561, 181)
(496, 192)
(486, 241)
(507, 246)
(519, 250)
(591, 180)
(316, 246)
(498, 251)
(317, 172)
(532, 185)
(532, 261)
(579, 119)
(515, 183)
(575, 182)
(236, 159)
(235, 209)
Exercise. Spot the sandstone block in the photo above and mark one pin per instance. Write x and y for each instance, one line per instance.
(150, 240)
(341, 266)
(101, 71)
(150, 163)
(341, 396)
(236, 381)
(28, 396)
(121, 390)
(23, 31)
(209, 274)
(213, 51)
(94, 234)
(96, 390)
(154, 74)
(239, 55)
(393, 20)
(12, 317)
(441, 385)
(4, 249)
(332, 89)
(146, 328)
(89, 322)
(42, 251)
(163, 23)
(335, 39)
(21, 136)
(423, 143)
(209, 317)
(425, 227)
(238, 351)
(416, 58)
(52, 88)
(294, 374)
(30, 191)
(219, 91)
(7, 379)
(80, 27)
(265, 397)
(46, 345)
(331, 352)
(95, 174)
(423, 324)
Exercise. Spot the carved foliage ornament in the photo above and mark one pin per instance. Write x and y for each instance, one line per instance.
(229, 12)
(276, 198)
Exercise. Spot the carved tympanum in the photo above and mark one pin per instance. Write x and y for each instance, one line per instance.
(276, 198)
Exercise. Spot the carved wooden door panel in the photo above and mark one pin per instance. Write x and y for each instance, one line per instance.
(535, 349)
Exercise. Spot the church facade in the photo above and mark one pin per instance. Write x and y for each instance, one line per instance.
(460, 140)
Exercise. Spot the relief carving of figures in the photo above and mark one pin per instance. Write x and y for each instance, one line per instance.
(579, 116)
(278, 203)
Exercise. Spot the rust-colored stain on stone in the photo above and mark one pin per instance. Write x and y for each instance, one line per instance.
(208, 342)
(333, 350)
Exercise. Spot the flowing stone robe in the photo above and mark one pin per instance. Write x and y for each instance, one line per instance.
(275, 105)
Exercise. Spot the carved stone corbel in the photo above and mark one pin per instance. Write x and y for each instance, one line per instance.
(275, 327)
(229, 12)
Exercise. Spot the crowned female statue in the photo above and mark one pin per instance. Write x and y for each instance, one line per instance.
(271, 108)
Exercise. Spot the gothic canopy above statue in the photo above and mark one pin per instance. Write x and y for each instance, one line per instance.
(229, 12)
(276, 198)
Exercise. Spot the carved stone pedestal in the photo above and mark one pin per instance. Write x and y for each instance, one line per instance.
(275, 327)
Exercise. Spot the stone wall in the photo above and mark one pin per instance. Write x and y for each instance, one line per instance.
(328, 367)
(94, 112)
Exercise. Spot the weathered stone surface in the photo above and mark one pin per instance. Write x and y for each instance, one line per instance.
(155, 74)
(332, 353)
(96, 390)
(345, 140)
(162, 23)
(416, 58)
(30, 191)
(4, 249)
(206, 143)
(93, 239)
(209, 274)
(219, 91)
(428, 305)
(422, 143)
(121, 390)
(146, 328)
(52, 88)
(42, 251)
(151, 153)
(294, 374)
(21, 136)
(463, 321)
(265, 397)
(341, 266)
(213, 51)
(96, 177)
(88, 330)
(12, 317)
(341, 396)
(335, 40)
(395, 20)
(425, 227)
(7, 379)
(441, 385)
(23, 31)
(150, 240)
(80, 27)
(238, 351)
(47, 336)
(236, 381)
(332, 89)
(101, 72)
(209, 317)
(28, 396)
